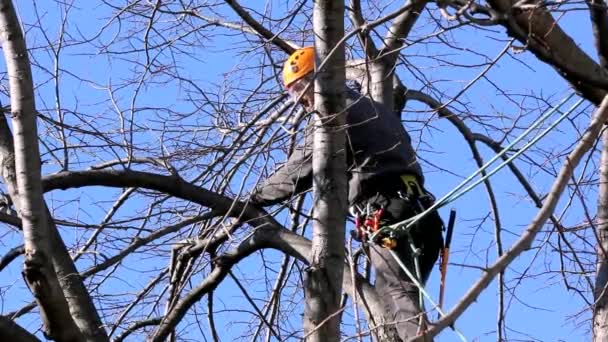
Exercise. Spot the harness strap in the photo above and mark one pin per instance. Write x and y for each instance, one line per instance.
(412, 185)
(368, 222)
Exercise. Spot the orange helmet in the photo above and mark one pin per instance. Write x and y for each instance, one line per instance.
(298, 65)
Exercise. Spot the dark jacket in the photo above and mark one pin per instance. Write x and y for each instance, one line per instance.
(378, 149)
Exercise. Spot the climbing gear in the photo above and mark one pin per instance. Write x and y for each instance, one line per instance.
(298, 65)
(418, 199)
(369, 226)
(367, 222)
(445, 255)
(427, 205)
(423, 292)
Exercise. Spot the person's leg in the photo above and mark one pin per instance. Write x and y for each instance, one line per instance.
(428, 237)
(399, 293)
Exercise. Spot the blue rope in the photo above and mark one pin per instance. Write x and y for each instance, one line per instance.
(518, 153)
(458, 191)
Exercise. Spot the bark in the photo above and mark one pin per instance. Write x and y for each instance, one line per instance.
(323, 285)
(66, 307)
(600, 310)
(383, 66)
(381, 83)
(540, 33)
(38, 271)
(599, 22)
(11, 331)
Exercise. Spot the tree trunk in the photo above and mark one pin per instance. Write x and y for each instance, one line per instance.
(381, 85)
(52, 283)
(323, 286)
(38, 271)
(382, 68)
(600, 311)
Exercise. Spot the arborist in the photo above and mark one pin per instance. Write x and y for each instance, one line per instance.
(385, 186)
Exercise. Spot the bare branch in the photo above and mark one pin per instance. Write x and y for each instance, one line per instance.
(10, 256)
(356, 17)
(11, 331)
(260, 29)
(13, 220)
(172, 185)
(540, 33)
(291, 244)
(135, 326)
(599, 20)
(38, 269)
(400, 29)
(323, 283)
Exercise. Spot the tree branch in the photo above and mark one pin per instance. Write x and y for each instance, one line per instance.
(323, 282)
(38, 270)
(281, 239)
(356, 17)
(293, 245)
(10, 256)
(13, 220)
(401, 28)
(11, 331)
(137, 325)
(599, 20)
(172, 185)
(260, 29)
(539, 32)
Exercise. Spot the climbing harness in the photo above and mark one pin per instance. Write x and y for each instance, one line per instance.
(367, 223)
(370, 224)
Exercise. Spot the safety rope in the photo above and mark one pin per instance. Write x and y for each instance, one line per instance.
(458, 191)
(462, 188)
(423, 291)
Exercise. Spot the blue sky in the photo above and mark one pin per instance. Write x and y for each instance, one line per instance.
(213, 67)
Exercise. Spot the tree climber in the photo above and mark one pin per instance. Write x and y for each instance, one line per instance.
(385, 182)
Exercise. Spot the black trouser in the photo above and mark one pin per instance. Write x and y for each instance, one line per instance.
(399, 293)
